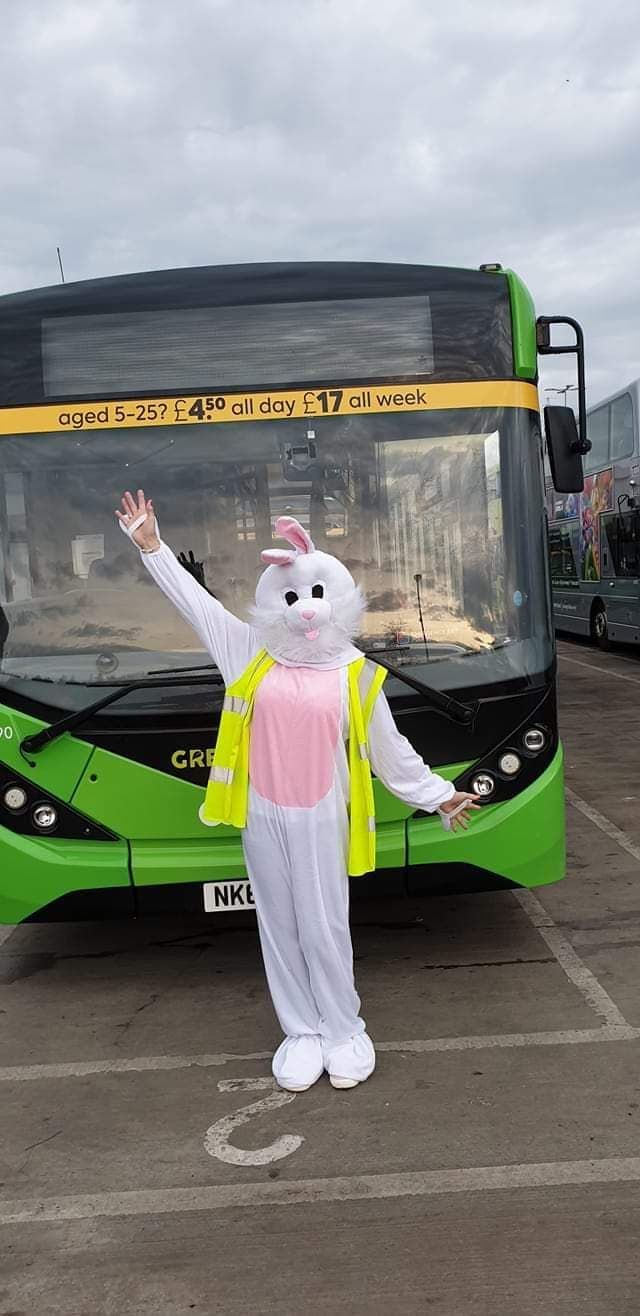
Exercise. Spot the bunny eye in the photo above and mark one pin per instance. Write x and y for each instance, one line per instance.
(317, 592)
(291, 597)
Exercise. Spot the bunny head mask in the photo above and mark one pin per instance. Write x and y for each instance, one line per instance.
(308, 606)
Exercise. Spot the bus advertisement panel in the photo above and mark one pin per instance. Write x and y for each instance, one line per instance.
(593, 534)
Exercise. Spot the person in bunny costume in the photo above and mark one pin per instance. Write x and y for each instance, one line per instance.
(288, 772)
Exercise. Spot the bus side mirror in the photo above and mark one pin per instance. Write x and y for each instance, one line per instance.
(563, 447)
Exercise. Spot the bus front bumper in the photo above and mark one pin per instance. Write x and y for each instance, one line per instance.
(520, 842)
(517, 843)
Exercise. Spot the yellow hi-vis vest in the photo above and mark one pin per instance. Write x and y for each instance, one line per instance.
(227, 793)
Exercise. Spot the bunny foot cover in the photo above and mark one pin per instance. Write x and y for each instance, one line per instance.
(298, 1063)
(351, 1062)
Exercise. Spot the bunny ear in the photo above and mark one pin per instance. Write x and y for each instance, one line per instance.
(278, 557)
(291, 530)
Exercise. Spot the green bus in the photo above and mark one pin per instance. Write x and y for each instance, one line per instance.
(393, 410)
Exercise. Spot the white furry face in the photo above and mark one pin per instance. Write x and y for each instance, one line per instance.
(308, 610)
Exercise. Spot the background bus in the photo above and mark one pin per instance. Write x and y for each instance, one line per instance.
(393, 410)
(595, 535)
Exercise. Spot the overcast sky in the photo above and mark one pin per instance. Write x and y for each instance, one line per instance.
(142, 134)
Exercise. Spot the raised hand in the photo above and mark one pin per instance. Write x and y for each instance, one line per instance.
(146, 535)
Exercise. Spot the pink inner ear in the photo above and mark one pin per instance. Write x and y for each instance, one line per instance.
(291, 530)
(278, 557)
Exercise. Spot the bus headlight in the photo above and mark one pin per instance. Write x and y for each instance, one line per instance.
(15, 798)
(45, 817)
(483, 784)
(510, 764)
(534, 740)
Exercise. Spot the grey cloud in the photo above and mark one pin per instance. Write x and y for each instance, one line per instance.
(141, 134)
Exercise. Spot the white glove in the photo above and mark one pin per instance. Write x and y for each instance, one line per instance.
(446, 818)
(129, 529)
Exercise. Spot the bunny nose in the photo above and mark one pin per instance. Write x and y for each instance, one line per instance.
(309, 616)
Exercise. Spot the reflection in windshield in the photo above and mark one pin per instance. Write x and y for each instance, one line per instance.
(437, 516)
(447, 545)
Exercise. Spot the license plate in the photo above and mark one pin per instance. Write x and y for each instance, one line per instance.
(228, 897)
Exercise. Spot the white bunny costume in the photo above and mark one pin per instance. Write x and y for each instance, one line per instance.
(296, 837)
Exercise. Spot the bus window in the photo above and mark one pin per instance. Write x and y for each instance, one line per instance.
(598, 433)
(562, 540)
(623, 538)
(621, 427)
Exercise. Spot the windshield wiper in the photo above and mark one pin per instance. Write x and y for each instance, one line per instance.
(170, 671)
(31, 744)
(447, 704)
(154, 671)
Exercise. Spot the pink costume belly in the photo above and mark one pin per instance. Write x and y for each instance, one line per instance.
(294, 733)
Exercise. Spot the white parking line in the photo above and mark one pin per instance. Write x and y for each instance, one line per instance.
(599, 820)
(593, 667)
(6, 931)
(415, 1046)
(561, 1037)
(577, 972)
(569, 648)
(351, 1188)
(135, 1064)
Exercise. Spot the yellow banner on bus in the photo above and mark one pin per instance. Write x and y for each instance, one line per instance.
(276, 404)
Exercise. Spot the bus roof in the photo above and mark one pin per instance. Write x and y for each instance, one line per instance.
(633, 387)
(316, 279)
(407, 322)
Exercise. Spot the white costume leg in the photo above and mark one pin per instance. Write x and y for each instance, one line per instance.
(296, 860)
(298, 1062)
(318, 846)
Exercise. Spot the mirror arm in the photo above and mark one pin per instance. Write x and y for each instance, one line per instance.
(547, 348)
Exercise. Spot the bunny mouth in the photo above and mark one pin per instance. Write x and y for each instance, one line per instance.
(312, 635)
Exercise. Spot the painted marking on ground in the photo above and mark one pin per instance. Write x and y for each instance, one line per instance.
(216, 1141)
(6, 930)
(246, 1084)
(421, 1183)
(599, 820)
(571, 647)
(576, 970)
(593, 667)
(417, 1046)
(560, 1037)
(134, 1064)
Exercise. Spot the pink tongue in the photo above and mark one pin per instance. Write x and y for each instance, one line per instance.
(311, 635)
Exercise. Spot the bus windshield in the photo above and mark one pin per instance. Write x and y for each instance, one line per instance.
(436, 514)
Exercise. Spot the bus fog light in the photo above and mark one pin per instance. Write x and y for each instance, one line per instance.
(510, 764)
(483, 784)
(15, 798)
(45, 817)
(534, 740)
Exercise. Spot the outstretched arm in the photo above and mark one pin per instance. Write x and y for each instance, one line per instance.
(406, 775)
(231, 642)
